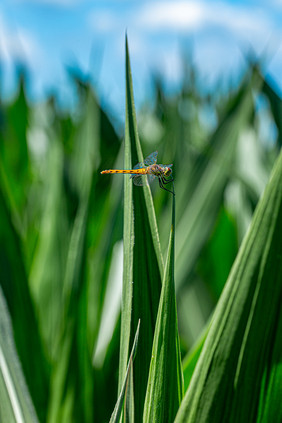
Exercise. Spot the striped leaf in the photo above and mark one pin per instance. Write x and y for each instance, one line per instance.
(237, 377)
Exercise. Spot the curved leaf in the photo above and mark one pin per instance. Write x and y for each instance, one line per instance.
(16, 405)
(238, 373)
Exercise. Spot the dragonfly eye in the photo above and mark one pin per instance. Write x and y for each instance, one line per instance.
(168, 171)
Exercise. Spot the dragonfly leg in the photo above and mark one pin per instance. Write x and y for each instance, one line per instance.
(161, 183)
(167, 181)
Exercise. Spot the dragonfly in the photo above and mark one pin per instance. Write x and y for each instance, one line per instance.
(150, 168)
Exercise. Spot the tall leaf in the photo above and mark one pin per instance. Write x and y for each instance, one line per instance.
(124, 390)
(16, 404)
(14, 153)
(72, 381)
(142, 260)
(165, 383)
(238, 376)
(14, 284)
(49, 256)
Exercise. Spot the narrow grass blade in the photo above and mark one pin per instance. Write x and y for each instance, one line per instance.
(165, 382)
(122, 396)
(86, 155)
(14, 284)
(106, 379)
(15, 161)
(99, 260)
(190, 361)
(271, 392)
(72, 379)
(15, 405)
(71, 386)
(237, 376)
(142, 261)
(137, 156)
(46, 280)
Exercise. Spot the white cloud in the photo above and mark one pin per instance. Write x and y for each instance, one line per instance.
(220, 32)
(187, 16)
(16, 44)
(183, 16)
(171, 15)
(230, 27)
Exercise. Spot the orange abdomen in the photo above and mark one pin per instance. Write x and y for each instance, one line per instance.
(131, 171)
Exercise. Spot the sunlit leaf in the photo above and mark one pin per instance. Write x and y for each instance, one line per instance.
(165, 382)
(16, 405)
(237, 375)
(142, 266)
(14, 284)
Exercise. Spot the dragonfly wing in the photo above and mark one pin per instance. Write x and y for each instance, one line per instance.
(139, 165)
(141, 180)
(163, 166)
(151, 159)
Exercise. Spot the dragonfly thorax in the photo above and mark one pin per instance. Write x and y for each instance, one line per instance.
(167, 171)
(158, 170)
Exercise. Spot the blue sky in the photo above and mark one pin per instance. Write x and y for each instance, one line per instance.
(50, 34)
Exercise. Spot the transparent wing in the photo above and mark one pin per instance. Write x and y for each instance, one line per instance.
(141, 180)
(151, 159)
(139, 165)
(163, 166)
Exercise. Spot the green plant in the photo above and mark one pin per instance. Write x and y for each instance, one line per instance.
(61, 236)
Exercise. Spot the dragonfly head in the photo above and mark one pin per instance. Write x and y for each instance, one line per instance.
(167, 170)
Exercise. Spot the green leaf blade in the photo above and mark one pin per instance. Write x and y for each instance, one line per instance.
(209, 181)
(238, 354)
(165, 382)
(127, 380)
(142, 260)
(16, 404)
(14, 284)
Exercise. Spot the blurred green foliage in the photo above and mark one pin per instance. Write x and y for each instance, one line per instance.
(61, 225)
